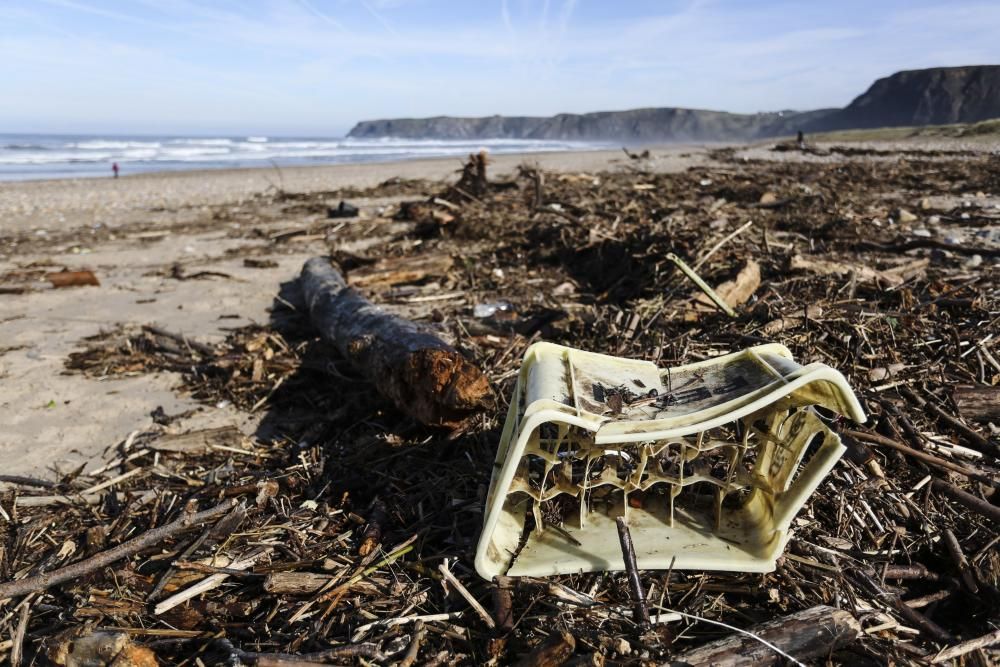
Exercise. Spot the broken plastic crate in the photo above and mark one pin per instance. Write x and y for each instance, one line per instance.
(709, 462)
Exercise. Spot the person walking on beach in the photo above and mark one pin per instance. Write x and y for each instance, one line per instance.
(114, 168)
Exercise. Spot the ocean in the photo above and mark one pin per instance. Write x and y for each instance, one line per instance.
(37, 156)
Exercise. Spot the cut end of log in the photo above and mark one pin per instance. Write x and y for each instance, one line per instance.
(444, 389)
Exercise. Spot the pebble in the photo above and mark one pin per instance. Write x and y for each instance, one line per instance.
(906, 216)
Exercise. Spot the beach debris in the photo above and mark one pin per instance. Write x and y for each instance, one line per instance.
(473, 183)
(422, 375)
(636, 440)
(806, 634)
(489, 309)
(978, 403)
(78, 648)
(636, 156)
(702, 285)
(317, 452)
(553, 652)
(257, 263)
(392, 271)
(41, 582)
(734, 293)
(66, 278)
(342, 210)
(201, 442)
(828, 267)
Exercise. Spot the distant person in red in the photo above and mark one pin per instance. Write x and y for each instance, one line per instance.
(114, 168)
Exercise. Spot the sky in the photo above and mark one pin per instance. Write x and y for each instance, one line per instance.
(315, 67)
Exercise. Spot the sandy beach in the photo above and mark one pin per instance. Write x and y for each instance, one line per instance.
(131, 233)
(142, 234)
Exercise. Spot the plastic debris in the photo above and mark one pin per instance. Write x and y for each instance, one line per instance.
(708, 463)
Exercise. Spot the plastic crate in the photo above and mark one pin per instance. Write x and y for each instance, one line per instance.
(708, 462)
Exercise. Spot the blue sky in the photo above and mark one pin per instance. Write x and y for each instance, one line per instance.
(314, 67)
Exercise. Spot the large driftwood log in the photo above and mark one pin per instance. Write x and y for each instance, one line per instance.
(806, 634)
(425, 377)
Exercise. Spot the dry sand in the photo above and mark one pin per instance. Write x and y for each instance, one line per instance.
(55, 421)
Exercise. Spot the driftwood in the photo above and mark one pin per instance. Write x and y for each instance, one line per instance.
(814, 632)
(295, 583)
(980, 404)
(41, 582)
(425, 377)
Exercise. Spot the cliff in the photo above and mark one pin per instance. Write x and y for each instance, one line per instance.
(938, 96)
(633, 126)
(935, 96)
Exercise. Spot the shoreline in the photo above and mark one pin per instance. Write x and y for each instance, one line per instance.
(62, 203)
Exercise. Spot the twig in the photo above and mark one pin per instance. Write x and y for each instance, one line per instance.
(419, 632)
(27, 481)
(96, 562)
(17, 645)
(208, 583)
(977, 441)
(403, 620)
(958, 557)
(873, 438)
(702, 285)
(739, 230)
(957, 650)
(183, 340)
(742, 632)
(967, 499)
(464, 592)
(641, 611)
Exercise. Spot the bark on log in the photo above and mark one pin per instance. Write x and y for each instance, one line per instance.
(806, 634)
(295, 583)
(421, 374)
(981, 404)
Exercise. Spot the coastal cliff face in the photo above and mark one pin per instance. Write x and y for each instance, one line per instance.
(915, 97)
(633, 126)
(938, 96)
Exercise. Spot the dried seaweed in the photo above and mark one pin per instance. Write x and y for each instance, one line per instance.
(358, 506)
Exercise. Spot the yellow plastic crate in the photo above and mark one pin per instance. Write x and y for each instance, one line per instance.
(709, 462)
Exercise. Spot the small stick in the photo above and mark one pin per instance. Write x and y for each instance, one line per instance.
(419, 632)
(702, 285)
(958, 557)
(923, 601)
(973, 473)
(96, 562)
(464, 592)
(27, 481)
(402, 620)
(739, 230)
(180, 338)
(978, 442)
(17, 645)
(208, 583)
(957, 650)
(912, 571)
(967, 499)
(640, 612)
(208, 569)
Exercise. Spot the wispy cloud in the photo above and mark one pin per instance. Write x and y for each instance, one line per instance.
(304, 65)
